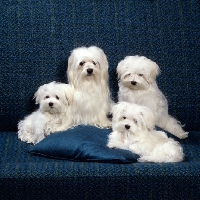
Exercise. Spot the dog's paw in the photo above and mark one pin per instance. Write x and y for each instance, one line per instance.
(26, 138)
(145, 159)
(183, 135)
(141, 160)
(106, 125)
(111, 146)
(38, 138)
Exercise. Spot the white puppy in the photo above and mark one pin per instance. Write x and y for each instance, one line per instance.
(53, 115)
(88, 74)
(133, 129)
(137, 84)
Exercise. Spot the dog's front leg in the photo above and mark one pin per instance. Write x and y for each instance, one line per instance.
(38, 135)
(115, 140)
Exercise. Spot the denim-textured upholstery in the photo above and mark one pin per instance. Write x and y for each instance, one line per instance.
(36, 39)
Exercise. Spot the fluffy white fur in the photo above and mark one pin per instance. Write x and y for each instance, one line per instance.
(133, 129)
(137, 84)
(53, 115)
(88, 74)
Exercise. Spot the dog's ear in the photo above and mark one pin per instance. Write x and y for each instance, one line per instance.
(120, 68)
(99, 53)
(69, 68)
(118, 109)
(41, 90)
(38, 94)
(70, 60)
(68, 91)
(102, 59)
(149, 118)
(154, 71)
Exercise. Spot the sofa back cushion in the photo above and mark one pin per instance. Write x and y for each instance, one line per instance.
(38, 36)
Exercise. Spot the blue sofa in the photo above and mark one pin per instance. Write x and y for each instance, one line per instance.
(36, 39)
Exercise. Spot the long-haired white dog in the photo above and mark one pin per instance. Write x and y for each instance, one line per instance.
(88, 74)
(137, 84)
(53, 115)
(133, 129)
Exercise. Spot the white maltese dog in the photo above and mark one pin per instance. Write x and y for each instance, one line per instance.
(133, 129)
(53, 115)
(88, 74)
(137, 84)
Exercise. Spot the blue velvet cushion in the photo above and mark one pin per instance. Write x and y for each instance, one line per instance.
(82, 143)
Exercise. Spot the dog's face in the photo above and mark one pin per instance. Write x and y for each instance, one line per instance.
(54, 97)
(137, 72)
(87, 64)
(132, 118)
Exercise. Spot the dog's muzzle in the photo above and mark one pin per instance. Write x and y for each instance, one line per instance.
(89, 71)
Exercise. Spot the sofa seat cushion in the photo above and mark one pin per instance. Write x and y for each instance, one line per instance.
(26, 176)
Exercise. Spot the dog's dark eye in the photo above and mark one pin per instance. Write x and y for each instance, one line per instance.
(57, 97)
(135, 121)
(127, 75)
(46, 97)
(93, 63)
(140, 74)
(82, 63)
(124, 117)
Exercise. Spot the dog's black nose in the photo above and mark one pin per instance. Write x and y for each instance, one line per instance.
(89, 70)
(127, 126)
(110, 115)
(50, 104)
(133, 82)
